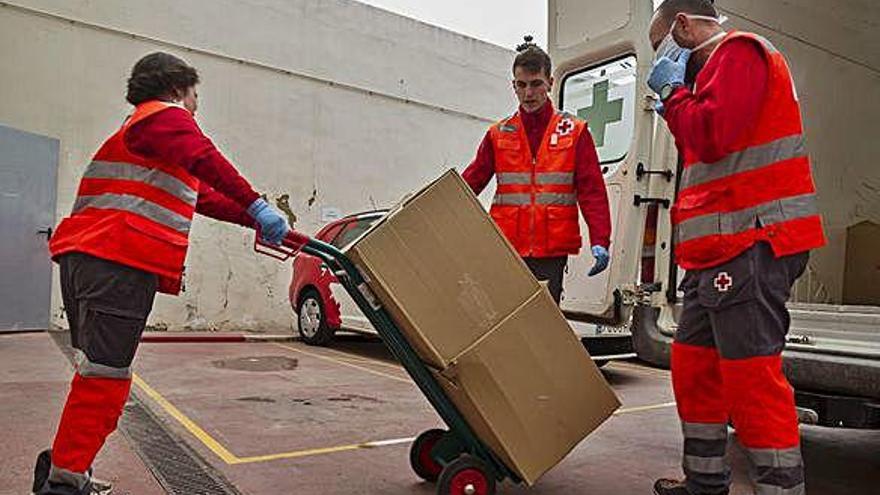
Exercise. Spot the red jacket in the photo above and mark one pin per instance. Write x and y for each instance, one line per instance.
(137, 197)
(174, 136)
(589, 183)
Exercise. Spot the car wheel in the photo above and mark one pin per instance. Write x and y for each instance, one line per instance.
(313, 328)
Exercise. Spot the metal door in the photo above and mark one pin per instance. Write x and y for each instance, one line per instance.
(28, 167)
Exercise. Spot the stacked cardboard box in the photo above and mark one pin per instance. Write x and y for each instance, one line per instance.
(492, 335)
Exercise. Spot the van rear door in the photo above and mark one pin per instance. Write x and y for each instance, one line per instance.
(602, 56)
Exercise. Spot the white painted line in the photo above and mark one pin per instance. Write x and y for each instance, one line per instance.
(385, 443)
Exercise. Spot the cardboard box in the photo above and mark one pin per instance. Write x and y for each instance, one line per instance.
(529, 390)
(493, 336)
(442, 270)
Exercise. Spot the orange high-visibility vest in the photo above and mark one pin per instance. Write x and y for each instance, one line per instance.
(132, 210)
(535, 204)
(762, 190)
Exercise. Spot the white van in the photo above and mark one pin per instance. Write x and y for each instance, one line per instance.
(602, 59)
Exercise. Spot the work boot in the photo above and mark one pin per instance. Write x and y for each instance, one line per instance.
(675, 487)
(100, 487)
(41, 470)
(42, 486)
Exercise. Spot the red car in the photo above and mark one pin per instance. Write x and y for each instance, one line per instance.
(320, 302)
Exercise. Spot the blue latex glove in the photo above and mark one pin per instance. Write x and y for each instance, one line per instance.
(659, 108)
(273, 225)
(602, 259)
(668, 70)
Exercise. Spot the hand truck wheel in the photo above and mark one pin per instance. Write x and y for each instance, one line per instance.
(420, 455)
(467, 475)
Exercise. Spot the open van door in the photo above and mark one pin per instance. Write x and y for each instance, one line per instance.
(602, 56)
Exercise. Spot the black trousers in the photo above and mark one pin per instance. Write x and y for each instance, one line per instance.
(107, 305)
(549, 270)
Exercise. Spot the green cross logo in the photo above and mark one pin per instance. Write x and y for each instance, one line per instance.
(601, 113)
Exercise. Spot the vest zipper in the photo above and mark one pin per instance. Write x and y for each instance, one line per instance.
(533, 206)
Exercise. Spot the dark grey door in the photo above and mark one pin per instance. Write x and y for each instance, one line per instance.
(28, 168)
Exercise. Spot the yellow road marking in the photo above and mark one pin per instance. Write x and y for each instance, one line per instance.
(644, 408)
(229, 458)
(328, 450)
(346, 363)
(190, 425)
(377, 362)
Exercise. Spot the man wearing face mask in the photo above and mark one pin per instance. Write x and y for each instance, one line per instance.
(125, 240)
(546, 166)
(745, 220)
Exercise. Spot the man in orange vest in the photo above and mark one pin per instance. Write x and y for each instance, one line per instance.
(126, 239)
(745, 220)
(546, 166)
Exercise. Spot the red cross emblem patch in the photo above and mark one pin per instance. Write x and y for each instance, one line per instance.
(723, 282)
(564, 127)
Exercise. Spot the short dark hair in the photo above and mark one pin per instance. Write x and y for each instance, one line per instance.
(670, 8)
(159, 75)
(532, 58)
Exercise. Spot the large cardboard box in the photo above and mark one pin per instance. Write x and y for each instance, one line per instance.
(441, 268)
(529, 390)
(494, 338)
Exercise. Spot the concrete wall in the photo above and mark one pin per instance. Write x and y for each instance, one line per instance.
(338, 104)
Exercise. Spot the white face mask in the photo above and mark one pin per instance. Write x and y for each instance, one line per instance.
(668, 47)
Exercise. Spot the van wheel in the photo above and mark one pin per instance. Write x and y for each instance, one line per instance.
(313, 328)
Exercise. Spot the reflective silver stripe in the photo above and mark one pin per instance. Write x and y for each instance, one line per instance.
(708, 465)
(505, 178)
(553, 199)
(763, 489)
(559, 199)
(150, 176)
(776, 458)
(769, 46)
(744, 161)
(89, 369)
(503, 199)
(63, 476)
(137, 205)
(705, 431)
(769, 213)
(555, 178)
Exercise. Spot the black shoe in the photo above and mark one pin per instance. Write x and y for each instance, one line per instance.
(41, 470)
(42, 486)
(674, 487)
(99, 487)
(670, 487)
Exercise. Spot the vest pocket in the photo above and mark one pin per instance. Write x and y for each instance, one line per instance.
(165, 251)
(563, 230)
(507, 219)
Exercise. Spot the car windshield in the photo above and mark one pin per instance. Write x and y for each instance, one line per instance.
(353, 230)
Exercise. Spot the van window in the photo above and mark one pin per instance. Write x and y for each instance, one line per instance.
(605, 96)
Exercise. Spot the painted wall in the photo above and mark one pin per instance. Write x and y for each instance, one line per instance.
(342, 106)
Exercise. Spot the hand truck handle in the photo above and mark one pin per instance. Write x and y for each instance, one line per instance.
(289, 247)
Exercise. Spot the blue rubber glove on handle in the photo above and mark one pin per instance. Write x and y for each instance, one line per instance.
(273, 225)
(602, 260)
(668, 70)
